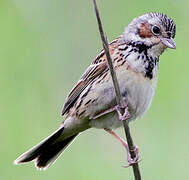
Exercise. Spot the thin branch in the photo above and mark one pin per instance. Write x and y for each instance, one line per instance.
(135, 166)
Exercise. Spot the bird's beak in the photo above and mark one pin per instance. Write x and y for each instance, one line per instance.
(169, 42)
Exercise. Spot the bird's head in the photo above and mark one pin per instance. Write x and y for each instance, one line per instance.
(155, 30)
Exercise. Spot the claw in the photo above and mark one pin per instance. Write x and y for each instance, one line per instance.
(129, 165)
(126, 115)
(134, 160)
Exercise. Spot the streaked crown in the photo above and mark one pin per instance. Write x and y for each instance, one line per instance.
(152, 29)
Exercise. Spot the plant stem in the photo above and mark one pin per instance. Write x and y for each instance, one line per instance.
(135, 166)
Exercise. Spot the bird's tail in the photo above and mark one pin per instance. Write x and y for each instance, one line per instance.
(46, 152)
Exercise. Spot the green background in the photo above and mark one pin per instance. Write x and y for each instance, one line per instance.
(45, 46)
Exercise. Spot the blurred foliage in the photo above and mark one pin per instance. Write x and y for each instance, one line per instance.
(45, 46)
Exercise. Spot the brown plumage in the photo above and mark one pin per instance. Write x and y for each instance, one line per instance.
(92, 103)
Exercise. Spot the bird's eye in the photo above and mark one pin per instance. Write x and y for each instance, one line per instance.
(156, 30)
(169, 34)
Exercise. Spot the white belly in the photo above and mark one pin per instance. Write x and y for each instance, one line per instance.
(138, 91)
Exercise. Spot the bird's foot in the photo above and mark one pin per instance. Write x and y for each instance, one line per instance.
(131, 160)
(126, 115)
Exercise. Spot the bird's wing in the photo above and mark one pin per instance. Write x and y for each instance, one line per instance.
(95, 69)
(92, 72)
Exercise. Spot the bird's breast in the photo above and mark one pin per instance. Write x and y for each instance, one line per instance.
(138, 91)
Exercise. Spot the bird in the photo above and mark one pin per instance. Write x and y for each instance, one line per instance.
(92, 101)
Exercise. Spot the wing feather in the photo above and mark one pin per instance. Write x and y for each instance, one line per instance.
(94, 70)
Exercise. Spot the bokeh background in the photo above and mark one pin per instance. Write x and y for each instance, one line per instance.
(45, 46)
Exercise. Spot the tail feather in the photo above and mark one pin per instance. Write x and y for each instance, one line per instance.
(45, 159)
(46, 152)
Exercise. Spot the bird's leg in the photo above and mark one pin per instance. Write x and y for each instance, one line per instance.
(126, 115)
(129, 159)
(104, 112)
